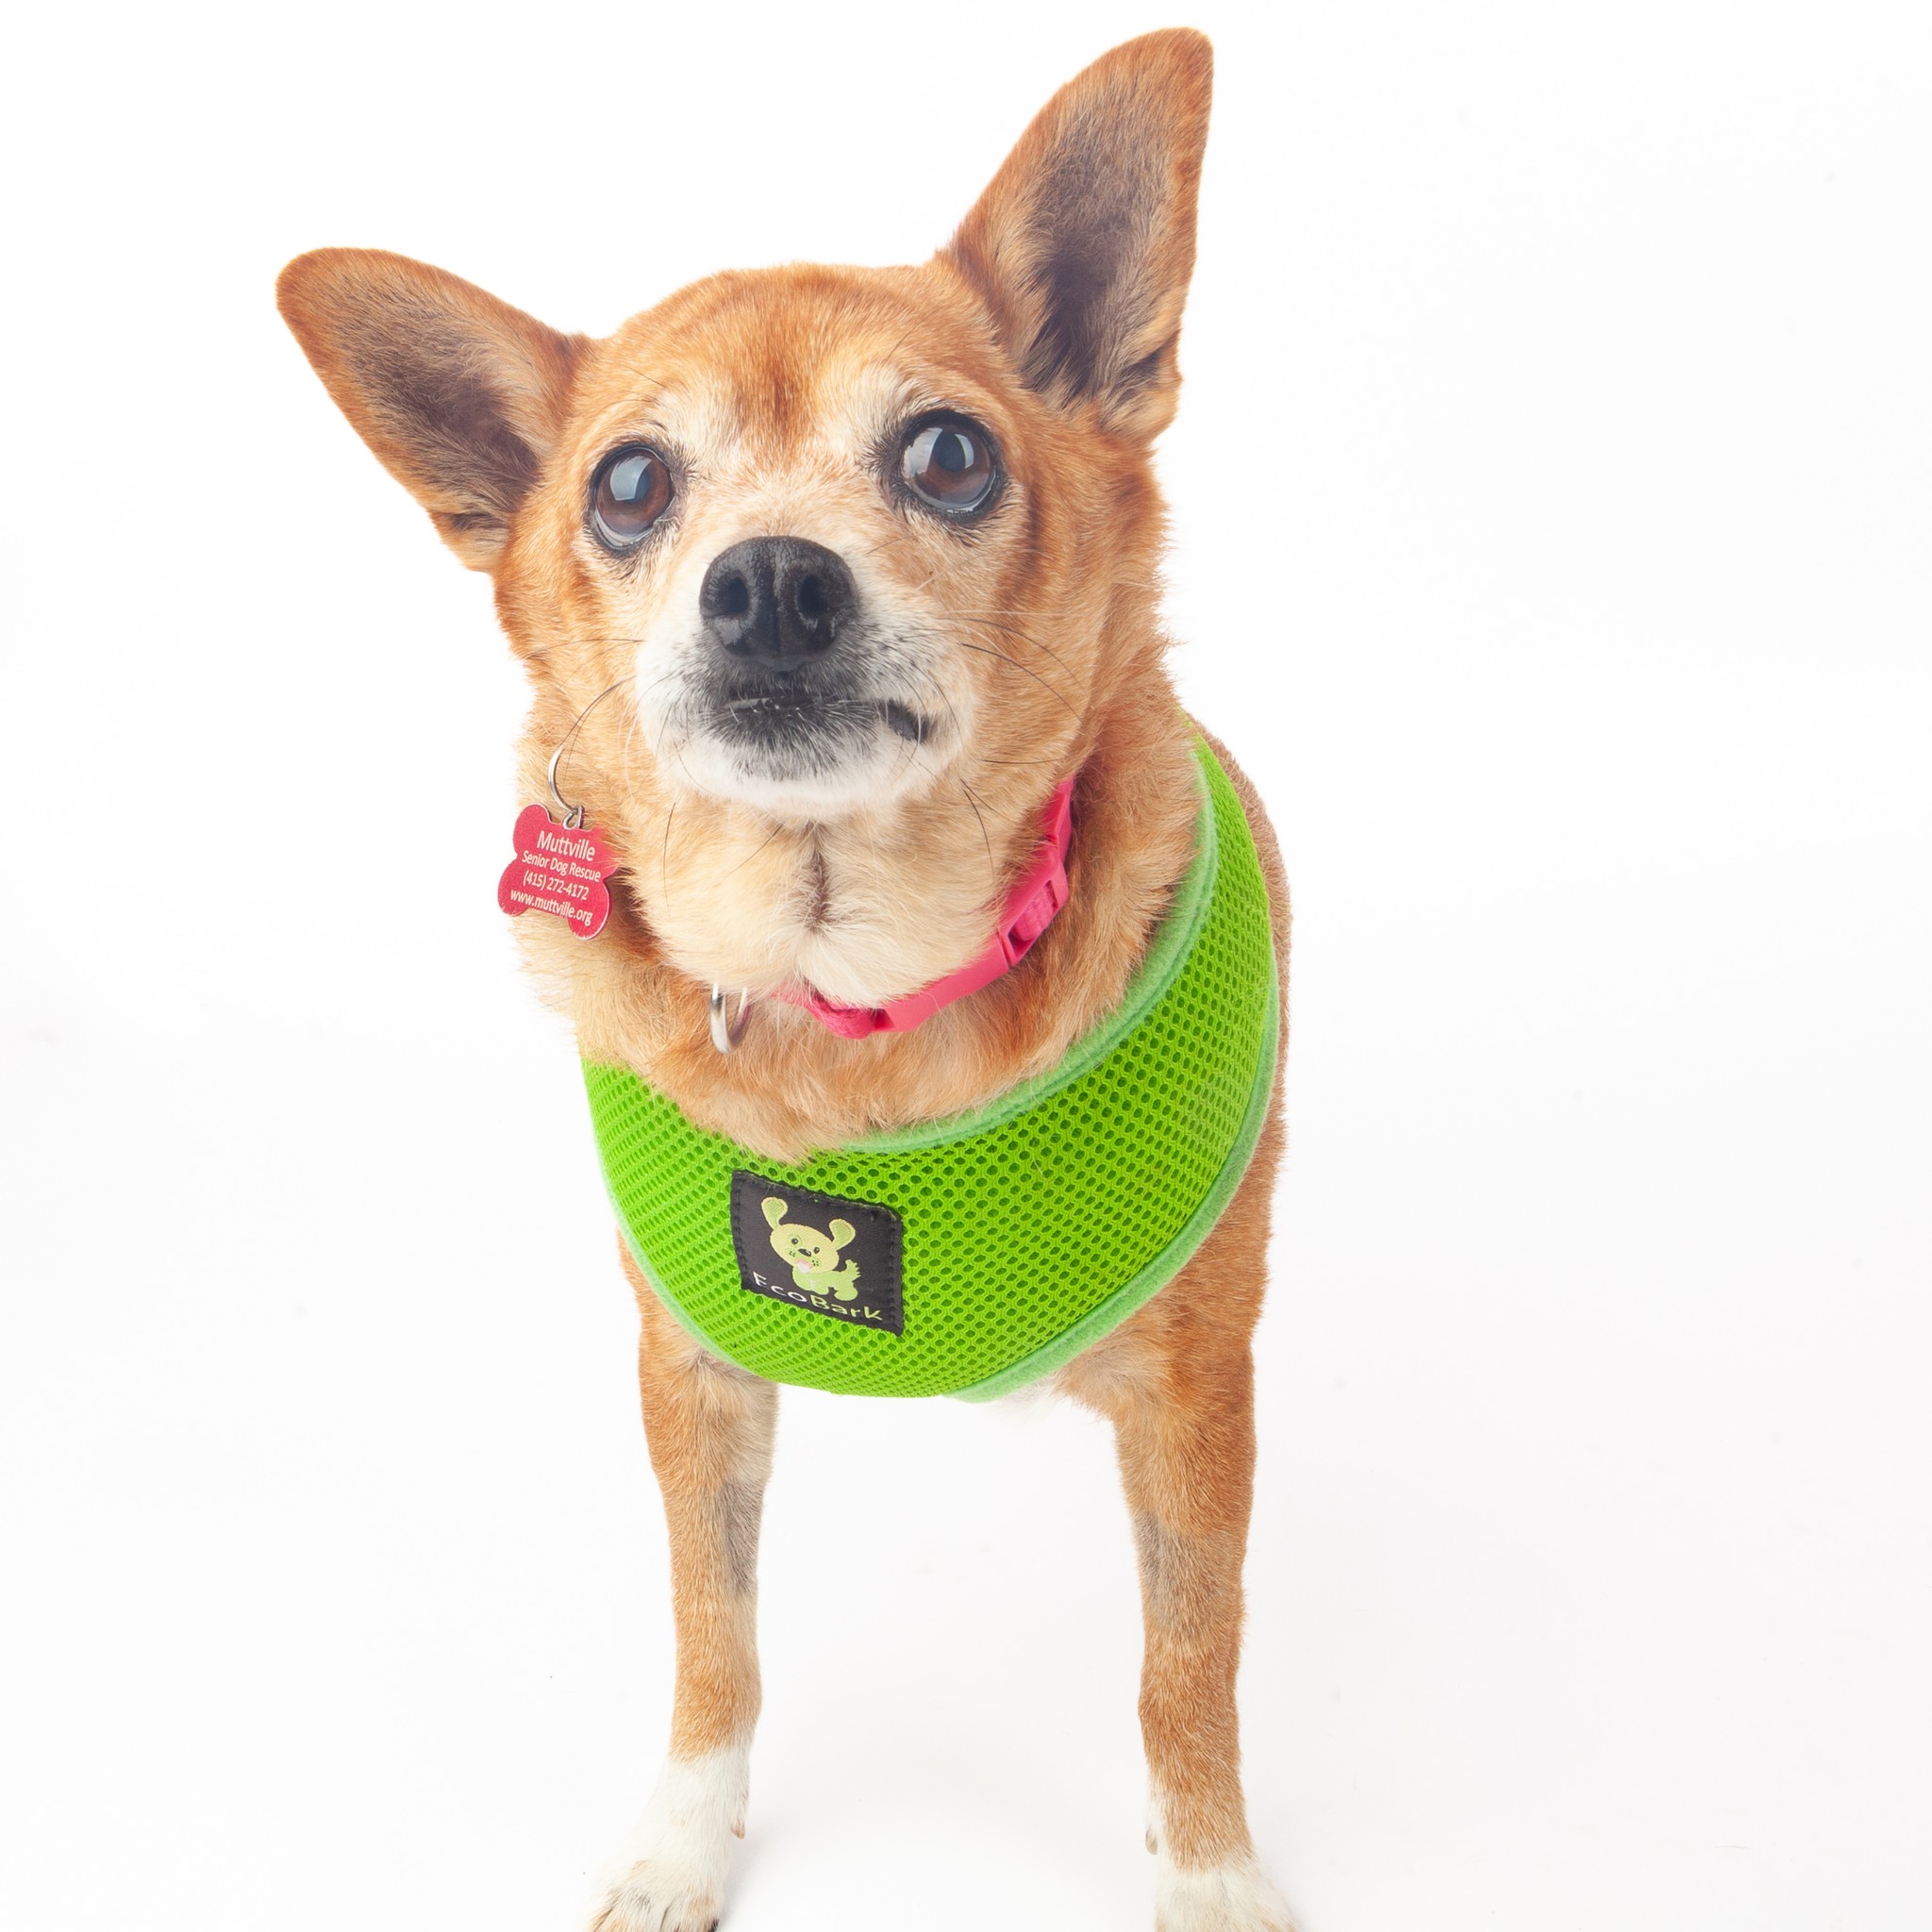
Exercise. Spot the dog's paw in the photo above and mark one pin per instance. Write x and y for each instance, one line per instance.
(671, 1876)
(657, 1895)
(1217, 1898)
(652, 1900)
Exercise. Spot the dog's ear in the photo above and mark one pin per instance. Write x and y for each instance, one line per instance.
(1085, 240)
(458, 394)
(843, 1232)
(774, 1210)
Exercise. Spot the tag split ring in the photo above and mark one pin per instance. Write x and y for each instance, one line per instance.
(727, 1032)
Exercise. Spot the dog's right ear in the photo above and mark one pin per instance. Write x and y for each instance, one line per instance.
(459, 396)
(1083, 246)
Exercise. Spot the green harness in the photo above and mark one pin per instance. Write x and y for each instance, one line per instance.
(971, 1255)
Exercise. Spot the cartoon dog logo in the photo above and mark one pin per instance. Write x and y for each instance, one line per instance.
(813, 1257)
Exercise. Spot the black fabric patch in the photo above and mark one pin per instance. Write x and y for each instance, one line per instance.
(817, 1252)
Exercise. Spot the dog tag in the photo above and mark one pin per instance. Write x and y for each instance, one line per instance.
(560, 869)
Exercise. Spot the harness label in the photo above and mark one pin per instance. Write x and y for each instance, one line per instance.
(829, 1255)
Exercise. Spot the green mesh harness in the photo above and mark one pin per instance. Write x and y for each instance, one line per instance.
(968, 1256)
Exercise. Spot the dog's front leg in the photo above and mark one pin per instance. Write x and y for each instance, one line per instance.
(1180, 1394)
(709, 1428)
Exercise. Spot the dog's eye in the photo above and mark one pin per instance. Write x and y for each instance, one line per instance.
(950, 464)
(631, 491)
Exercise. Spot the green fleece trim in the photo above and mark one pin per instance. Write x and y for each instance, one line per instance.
(1132, 1294)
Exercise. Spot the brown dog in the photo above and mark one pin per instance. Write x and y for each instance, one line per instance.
(947, 470)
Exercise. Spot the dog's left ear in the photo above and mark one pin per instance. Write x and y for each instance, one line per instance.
(458, 394)
(1085, 240)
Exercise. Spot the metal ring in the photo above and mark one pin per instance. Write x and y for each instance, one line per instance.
(725, 1032)
(574, 814)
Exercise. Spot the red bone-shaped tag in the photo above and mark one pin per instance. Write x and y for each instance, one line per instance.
(559, 869)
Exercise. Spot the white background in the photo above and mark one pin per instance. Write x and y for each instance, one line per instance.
(1551, 499)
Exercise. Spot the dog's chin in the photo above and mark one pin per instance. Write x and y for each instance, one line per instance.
(807, 761)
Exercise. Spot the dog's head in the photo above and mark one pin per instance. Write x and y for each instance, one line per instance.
(833, 541)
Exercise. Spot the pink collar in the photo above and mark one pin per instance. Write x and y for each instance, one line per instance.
(1029, 909)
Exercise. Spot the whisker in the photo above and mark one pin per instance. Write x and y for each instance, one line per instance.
(1004, 611)
(986, 650)
(1006, 630)
(993, 870)
(946, 698)
(754, 852)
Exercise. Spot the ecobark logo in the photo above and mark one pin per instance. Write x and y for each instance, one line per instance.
(819, 1252)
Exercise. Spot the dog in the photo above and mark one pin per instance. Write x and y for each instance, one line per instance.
(836, 589)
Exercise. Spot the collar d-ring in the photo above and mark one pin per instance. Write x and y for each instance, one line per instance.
(728, 1032)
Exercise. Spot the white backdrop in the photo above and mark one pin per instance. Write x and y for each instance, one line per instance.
(1550, 496)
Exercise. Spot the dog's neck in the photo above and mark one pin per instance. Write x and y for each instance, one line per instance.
(860, 918)
(860, 909)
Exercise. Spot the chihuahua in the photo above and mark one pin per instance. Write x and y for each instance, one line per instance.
(828, 581)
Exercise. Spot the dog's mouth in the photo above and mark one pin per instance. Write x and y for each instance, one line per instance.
(812, 723)
(820, 737)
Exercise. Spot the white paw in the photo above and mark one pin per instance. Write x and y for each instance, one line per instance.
(1217, 1898)
(672, 1876)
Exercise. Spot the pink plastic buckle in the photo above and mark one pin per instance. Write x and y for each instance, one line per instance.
(1029, 910)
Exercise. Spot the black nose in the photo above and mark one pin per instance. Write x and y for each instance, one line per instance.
(777, 597)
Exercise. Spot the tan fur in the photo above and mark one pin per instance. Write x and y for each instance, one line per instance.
(1052, 319)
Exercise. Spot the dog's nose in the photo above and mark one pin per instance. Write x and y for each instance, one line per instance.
(777, 597)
